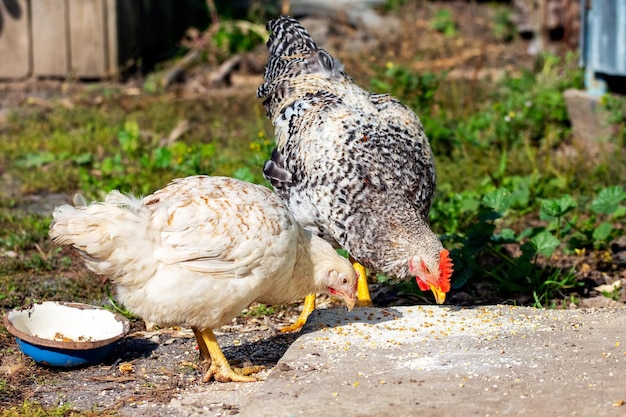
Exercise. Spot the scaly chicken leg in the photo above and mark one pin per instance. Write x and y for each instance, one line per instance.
(219, 367)
(363, 299)
(362, 290)
(307, 309)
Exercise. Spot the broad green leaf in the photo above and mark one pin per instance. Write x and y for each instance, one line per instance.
(162, 157)
(549, 209)
(484, 215)
(546, 243)
(557, 207)
(567, 203)
(506, 235)
(602, 233)
(499, 200)
(620, 212)
(520, 191)
(36, 159)
(608, 200)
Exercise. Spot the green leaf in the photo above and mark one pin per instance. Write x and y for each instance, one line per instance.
(486, 215)
(129, 137)
(557, 207)
(35, 159)
(469, 204)
(560, 183)
(244, 174)
(549, 209)
(567, 203)
(520, 190)
(546, 243)
(608, 200)
(499, 200)
(620, 212)
(162, 157)
(602, 233)
(507, 235)
(84, 158)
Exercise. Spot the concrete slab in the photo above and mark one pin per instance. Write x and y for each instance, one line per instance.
(589, 118)
(445, 361)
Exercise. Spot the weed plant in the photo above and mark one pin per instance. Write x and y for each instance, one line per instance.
(499, 170)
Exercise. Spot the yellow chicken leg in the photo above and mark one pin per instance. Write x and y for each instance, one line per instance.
(307, 309)
(362, 291)
(219, 368)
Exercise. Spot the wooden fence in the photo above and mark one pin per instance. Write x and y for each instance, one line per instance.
(90, 38)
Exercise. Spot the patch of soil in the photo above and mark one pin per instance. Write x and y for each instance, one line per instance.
(146, 367)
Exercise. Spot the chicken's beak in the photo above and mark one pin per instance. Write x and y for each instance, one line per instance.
(440, 296)
(350, 301)
(349, 298)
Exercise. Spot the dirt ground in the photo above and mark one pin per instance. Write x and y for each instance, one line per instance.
(155, 366)
(149, 367)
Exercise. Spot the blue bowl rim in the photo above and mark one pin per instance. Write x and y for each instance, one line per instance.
(72, 345)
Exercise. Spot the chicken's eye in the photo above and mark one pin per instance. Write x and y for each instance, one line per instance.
(345, 280)
(425, 268)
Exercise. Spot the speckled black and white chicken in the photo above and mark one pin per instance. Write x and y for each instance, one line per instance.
(200, 250)
(354, 167)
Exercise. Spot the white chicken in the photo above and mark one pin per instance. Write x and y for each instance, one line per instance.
(200, 250)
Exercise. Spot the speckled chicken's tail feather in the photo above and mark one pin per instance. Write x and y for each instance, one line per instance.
(288, 38)
(292, 52)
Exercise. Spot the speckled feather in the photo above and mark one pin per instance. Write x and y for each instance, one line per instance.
(200, 250)
(354, 167)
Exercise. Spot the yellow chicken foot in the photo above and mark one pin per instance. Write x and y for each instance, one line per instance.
(363, 300)
(219, 368)
(307, 309)
(362, 290)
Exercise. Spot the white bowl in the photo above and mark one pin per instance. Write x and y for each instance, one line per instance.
(65, 334)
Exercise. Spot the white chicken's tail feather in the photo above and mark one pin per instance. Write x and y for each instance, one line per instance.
(292, 52)
(111, 236)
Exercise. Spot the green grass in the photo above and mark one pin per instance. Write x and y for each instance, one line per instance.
(31, 409)
(123, 143)
(259, 310)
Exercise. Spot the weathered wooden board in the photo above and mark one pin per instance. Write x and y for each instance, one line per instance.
(50, 38)
(89, 40)
(15, 61)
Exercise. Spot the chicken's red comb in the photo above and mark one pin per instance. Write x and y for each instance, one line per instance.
(445, 270)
